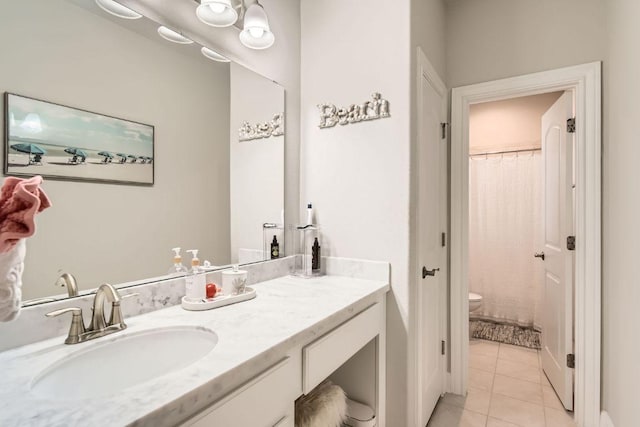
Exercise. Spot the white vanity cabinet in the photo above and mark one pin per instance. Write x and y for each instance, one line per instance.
(268, 399)
(270, 351)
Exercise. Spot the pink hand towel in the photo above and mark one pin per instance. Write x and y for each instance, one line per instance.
(20, 200)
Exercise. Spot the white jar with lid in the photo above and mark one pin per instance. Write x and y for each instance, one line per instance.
(234, 281)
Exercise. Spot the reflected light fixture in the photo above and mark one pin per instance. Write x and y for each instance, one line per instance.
(256, 33)
(115, 8)
(32, 123)
(217, 13)
(173, 36)
(212, 54)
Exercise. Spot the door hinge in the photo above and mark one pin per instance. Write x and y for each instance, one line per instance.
(442, 349)
(571, 360)
(571, 243)
(571, 125)
(443, 127)
(443, 240)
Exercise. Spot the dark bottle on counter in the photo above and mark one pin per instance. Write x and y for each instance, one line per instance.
(275, 248)
(315, 256)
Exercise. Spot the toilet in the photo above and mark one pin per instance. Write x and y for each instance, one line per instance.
(475, 302)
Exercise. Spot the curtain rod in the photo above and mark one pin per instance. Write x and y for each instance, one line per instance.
(505, 152)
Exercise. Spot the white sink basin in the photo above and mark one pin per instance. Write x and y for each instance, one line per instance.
(123, 362)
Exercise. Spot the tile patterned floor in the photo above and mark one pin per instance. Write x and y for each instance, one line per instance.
(507, 388)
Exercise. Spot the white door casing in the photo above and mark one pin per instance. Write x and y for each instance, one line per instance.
(557, 303)
(430, 210)
(585, 81)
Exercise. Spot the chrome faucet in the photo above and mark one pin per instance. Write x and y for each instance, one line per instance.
(99, 326)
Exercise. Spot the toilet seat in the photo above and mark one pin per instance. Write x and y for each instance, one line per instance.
(474, 297)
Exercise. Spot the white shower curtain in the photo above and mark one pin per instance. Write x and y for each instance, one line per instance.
(505, 230)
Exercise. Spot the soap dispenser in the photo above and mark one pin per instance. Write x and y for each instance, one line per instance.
(178, 267)
(196, 282)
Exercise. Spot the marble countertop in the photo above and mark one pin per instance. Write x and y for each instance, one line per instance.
(253, 335)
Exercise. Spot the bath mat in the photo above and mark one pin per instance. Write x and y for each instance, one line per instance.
(508, 334)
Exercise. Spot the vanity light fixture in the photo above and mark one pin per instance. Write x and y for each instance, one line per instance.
(212, 54)
(256, 33)
(173, 36)
(115, 8)
(217, 13)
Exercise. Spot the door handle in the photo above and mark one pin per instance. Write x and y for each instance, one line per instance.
(539, 255)
(426, 272)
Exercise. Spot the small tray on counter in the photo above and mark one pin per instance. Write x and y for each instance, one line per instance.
(219, 301)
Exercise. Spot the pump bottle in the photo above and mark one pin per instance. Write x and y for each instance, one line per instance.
(195, 281)
(178, 267)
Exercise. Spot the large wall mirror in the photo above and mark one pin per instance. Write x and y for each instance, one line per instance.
(218, 176)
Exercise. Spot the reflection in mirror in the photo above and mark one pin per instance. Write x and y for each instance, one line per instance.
(211, 191)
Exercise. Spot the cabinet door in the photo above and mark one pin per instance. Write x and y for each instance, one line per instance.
(264, 401)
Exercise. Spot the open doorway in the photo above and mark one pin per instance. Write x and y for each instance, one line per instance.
(583, 83)
(514, 306)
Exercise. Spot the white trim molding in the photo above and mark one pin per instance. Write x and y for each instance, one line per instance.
(585, 82)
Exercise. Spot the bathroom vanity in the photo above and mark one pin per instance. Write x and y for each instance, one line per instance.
(269, 351)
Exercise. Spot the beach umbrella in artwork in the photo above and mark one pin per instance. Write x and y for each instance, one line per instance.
(123, 157)
(28, 148)
(149, 159)
(81, 154)
(76, 152)
(31, 150)
(132, 157)
(107, 156)
(143, 159)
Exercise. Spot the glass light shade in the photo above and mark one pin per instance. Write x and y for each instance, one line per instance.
(217, 13)
(212, 54)
(256, 33)
(173, 36)
(117, 9)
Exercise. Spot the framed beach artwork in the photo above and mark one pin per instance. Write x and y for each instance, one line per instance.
(59, 142)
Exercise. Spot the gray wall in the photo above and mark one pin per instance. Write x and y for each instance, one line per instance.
(621, 209)
(357, 176)
(492, 39)
(56, 51)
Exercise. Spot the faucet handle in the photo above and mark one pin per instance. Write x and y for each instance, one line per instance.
(77, 323)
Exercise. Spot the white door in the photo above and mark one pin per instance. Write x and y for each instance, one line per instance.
(432, 205)
(557, 314)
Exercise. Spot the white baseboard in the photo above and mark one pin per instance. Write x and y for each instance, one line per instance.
(605, 421)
